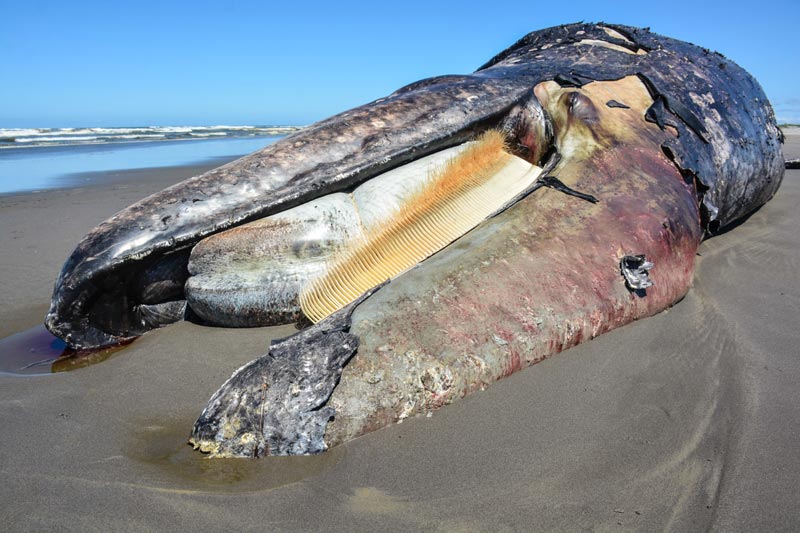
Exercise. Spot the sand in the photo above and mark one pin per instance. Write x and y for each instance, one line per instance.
(686, 420)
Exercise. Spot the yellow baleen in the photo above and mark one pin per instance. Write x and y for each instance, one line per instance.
(465, 191)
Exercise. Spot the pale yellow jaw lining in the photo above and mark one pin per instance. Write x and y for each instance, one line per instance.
(471, 187)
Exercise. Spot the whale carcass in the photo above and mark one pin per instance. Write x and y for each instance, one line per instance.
(619, 151)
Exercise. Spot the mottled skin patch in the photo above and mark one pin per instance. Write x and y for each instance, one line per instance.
(537, 279)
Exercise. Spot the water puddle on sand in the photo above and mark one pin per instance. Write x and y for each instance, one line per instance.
(160, 446)
(37, 351)
(173, 463)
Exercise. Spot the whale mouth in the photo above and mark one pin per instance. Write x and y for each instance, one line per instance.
(314, 259)
(232, 256)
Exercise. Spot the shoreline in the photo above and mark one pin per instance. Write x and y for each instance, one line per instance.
(685, 420)
(124, 177)
(63, 167)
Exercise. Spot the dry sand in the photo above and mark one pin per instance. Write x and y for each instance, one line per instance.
(687, 420)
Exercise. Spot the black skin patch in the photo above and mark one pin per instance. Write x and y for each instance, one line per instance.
(614, 103)
(554, 183)
(655, 113)
(686, 115)
(793, 164)
(663, 100)
(572, 79)
(630, 44)
(658, 114)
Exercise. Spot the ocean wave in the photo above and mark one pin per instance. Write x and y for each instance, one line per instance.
(14, 132)
(56, 139)
(210, 134)
(173, 129)
(143, 136)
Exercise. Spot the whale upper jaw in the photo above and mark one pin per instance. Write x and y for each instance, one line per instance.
(127, 275)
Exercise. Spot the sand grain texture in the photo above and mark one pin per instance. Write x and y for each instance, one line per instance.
(685, 420)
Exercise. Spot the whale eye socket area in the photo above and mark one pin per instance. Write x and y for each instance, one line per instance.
(580, 107)
(529, 130)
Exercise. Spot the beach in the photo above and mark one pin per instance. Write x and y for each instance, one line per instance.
(685, 420)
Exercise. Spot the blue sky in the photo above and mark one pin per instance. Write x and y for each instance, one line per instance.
(229, 62)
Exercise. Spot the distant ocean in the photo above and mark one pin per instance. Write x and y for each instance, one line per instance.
(23, 137)
(46, 158)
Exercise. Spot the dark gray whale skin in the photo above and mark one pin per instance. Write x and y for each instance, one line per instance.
(102, 296)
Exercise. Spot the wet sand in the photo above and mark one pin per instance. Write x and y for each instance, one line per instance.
(686, 420)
